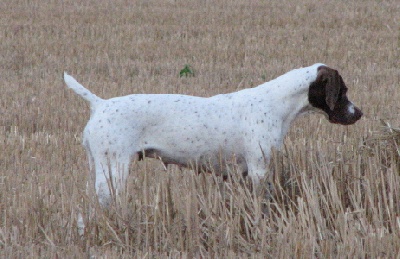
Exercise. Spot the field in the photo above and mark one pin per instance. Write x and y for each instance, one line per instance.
(337, 187)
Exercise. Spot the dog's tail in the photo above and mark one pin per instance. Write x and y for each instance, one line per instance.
(82, 91)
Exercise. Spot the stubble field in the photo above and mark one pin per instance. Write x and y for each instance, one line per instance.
(337, 187)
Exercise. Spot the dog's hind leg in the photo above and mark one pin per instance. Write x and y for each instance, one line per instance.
(111, 171)
(108, 173)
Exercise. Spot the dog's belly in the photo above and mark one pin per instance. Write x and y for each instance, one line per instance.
(210, 161)
(193, 143)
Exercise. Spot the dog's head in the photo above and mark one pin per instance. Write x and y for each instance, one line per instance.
(328, 93)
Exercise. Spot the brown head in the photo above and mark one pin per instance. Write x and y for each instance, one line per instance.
(328, 93)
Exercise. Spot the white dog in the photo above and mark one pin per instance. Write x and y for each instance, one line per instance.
(206, 133)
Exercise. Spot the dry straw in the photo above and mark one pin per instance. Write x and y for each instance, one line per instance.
(337, 188)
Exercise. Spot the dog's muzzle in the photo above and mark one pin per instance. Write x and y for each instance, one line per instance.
(347, 116)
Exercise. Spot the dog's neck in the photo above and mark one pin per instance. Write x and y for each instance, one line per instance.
(290, 92)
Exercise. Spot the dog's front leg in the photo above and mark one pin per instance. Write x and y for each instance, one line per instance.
(262, 184)
(265, 189)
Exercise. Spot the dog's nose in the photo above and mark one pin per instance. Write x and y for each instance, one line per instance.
(355, 112)
(358, 113)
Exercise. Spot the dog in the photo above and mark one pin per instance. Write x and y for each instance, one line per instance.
(206, 133)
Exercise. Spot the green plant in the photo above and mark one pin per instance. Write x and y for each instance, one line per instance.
(186, 71)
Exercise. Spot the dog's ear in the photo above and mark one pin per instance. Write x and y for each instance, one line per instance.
(331, 79)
